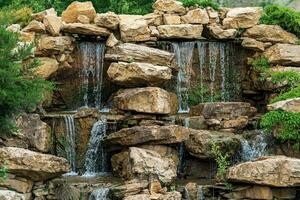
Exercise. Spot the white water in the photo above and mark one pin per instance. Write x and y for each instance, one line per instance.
(99, 194)
(200, 193)
(181, 152)
(92, 60)
(95, 151)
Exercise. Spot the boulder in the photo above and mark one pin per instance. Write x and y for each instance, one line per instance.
(171, 134)
(53, 24)
(196, 16)
(242, 17)
(219, 33)
(137, 53)
(108, 20)
(54, 45)
(164, 151)
(27, 37)
(85, 29)
(11, 195)
(200, 143)
(138, 74)
(171, 19)
(270, 33)
(112, 40)
(134, 29)
(143, 164)
(47, 68)
(183, 31)
(146, 100)
(169, 6)
(32, 165)
(35, 26)
(289, 105)
(129, 188)
(153, 19)
(283, 54)
(83, 19)
(17, 184)
(76, 8)
(253, 44)
(41, 15)
(255, 192)
(274, 171)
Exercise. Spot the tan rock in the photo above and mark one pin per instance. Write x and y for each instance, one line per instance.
(11, 195)
(129, 188)
(20, 185)
(112, 40)
(146, 100)
(149, 134)
(139, 197)
(35, 26)
(196, 16)
(41, 15)
(164, 151)
(185, 31)
(289, 105)
(169, 6)
(83, 19)
(14, 28)
(253, 44)
(283, 54)
(213, 16)
(55, 45)
(85, 29)
(154, 31)
(171, 19)
(284, 193)
(219, 33)
(255, 192)
(137, 53)
(138, 74)
(47, 68)
(108, 20)
(200, 143)
(27, 37)
(171, 196)
(270, 33)
(33, 165)
(53, 24)
(242, 17)
(76, 8)
(276, 171)
(153, 19)
(134, 29)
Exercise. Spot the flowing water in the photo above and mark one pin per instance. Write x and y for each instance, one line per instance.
(96, 158)
(70, 142)
(92, 60)
(181, 151)
(99, 194)
(200, 193)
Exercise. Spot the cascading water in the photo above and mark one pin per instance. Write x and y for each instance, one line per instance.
(200, 193)
(95, 151)
(184, 54)
(71, 144)
(181, 152)
(92, 60)
(99, 194)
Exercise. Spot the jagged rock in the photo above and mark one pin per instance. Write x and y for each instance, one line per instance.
(134, 29)
(146, 100)
(283, 54)
(200, 143)
(85, 29)
(141, 163)
(196, 16)
(213, 16)
(54, 45)
(270, 33)
(185, 31)
(153, 19)
(41, 15)
(219, 33)
(17, 184)
(76, 8)
(53, 24)
(35, 26)
(138, 74)
(154, 31)
(171, 19)
(11, 195)
(108, 20)
(32, 165)
(47, 68)
(149, 135)
(290, 105)
(129, 188)
(136, 53)
(253, 44)
(112, 40)
(27, 37)
(276, 171)
(83, 19)
(242, 17)
(169, 6)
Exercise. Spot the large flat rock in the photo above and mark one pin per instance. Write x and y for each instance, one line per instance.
(283, 54)
(85, 29)
(180, 31)
(169, 6)
(54, 45)
(289, 105)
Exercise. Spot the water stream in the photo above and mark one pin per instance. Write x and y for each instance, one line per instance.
(99, 194)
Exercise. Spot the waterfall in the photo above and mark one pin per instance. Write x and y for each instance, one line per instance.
(71, 142)
(95, 151)
(92, 59)
(99, 194)
(181, 152)
(200, 193)
(184, 54)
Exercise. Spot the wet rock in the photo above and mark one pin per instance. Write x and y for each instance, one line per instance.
(270, 33)
(184, 31)
(219, 33)
(47, 68)
(35, 26)
(129, 188)
(146, 100)
(55, 45)
(242, 17)
(164, 151)
(253, 44)
(112, 40)
(284, 193)
(283, 54)
(138, 74)
(41, 15)
(196, 16)
(17, 184)
(171, 19)
(169, 6)
(11, 195)
(85, 29)
(76, 8)
(108, 20)
(200, 143)
(137, 53)
(277, 171)
(141, 163)
(53, 24)
(290, 105)
(255, 192)
(149, 134)
(33, 165)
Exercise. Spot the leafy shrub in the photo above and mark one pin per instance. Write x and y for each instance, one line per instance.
(222, 160)
(287, 18)
(202, 3)
(20, 16)
(294, 93)
(292, 77)
(3, 173)
(261, 64)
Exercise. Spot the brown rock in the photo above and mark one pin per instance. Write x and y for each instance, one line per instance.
(153, 19)
(112, 40)
(53, 24)
(289, 105)
(55, 45)
(219, 33)
(76, 8)
(11, 195)
(85, 29)
(134, 29)
(27, 37)
(139, 197)
(83, 19)
(41, 15)
(47, 68)
(108, 20)
(17, 184)
(196, 16)
(164, 151)
(255, 192)
(253, 44)
(283, 54)
(185, 31)
(169, 6)
(284, 193)
(129, 188)
(35, 26)
(170, 196)
(171, 19)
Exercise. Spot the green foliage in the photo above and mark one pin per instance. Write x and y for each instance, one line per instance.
(201, 94)
(287, 18)
(294, 93)
(221, 159)
(292, 77)
(20, 90)
(202, 3)
(3, 173)
(261, 64)
(20, 16)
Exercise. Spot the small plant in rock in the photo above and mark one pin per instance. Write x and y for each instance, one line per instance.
(291, 77)
(3, 173)
(202, 3)
(201, 94)
(261, 64)
(222, 160)
(294, 93)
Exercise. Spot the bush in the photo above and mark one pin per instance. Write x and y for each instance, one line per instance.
(202, 3)
(287, 18)
(294, 93)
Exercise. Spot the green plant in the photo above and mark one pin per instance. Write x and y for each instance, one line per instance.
(291, 77)
(294, 93)
(202, 3)
(222, 160)
(20, 16)
(261, 64)
(3, 173)
(201, 94)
